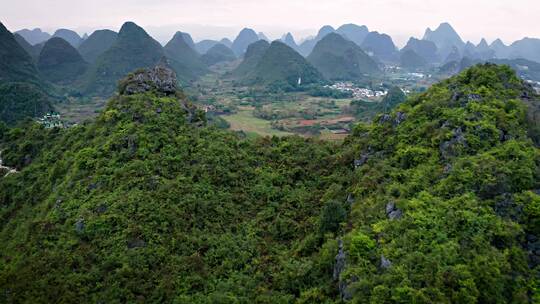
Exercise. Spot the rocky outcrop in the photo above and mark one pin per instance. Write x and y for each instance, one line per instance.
(341, 259)
(350, 199)
(385, 263)
(392, 212)
(451, 147)
(160, 79)
(361, 161)
(533, 248)
(400, 117)
(79, 226)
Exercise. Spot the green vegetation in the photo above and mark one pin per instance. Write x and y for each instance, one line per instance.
(245, 121)
(394, 97)
(15, 64)
(409, 59)
(432, 203)
(340, 59)
(96, 44)
(31, 50)
(217, 54)
(253, 55)
(456, 165)
(184, 59)
(19, 100)
(133, 49)
(60, 63)
(22, 92)
(281, 67)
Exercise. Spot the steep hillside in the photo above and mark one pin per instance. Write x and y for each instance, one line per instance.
(353, 32)
(253, 55)
(243, 40)
(70, 36)
(31, 50)
(288, 39)
(133, 49)
(60, 63)
(184, 58)
(381, 46)
(527, 48)
(444, 208)
(446, 39)
(423, 48)
(34, 36)
(148, 204)
(96, 44)
(217, 54)
(22, 92)
(16, 64)
(306, 47)
(283, 67)
(203, 46)
(340, 59)
(409, 59)
(435, 202)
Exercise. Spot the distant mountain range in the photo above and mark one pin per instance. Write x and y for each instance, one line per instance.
(92, 64)
(436, 47)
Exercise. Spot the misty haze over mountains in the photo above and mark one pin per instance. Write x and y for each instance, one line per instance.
(381, 45)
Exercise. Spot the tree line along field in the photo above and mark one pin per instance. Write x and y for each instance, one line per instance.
(260, 111)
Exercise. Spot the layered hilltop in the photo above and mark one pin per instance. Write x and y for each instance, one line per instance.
(276, 65)
(23, 93)
(60, 63)
(435, 202)
(132, 49)
(341, 59)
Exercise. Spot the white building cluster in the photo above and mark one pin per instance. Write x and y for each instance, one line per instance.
(51, 120)
(358, 93)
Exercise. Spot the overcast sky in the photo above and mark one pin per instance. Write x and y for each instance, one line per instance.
(473, 19)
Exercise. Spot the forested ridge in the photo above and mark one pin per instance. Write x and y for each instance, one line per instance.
(435, 202)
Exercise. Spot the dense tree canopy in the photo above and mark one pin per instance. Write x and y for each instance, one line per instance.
(434, 202)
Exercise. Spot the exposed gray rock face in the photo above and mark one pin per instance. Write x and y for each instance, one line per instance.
(400, 117)
(79, 225)
(350, 198)
(385, 118)
(448, 168)
(385, 263)
(474, 97)
(450, 148)
(159, 78)
(533, 247)
(344, 291)
(392, 212)
(361, 161)
(507, 208)
(101, 208)
(136, 243)
(340, 261)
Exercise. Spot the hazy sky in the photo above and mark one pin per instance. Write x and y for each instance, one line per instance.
(473, 19)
